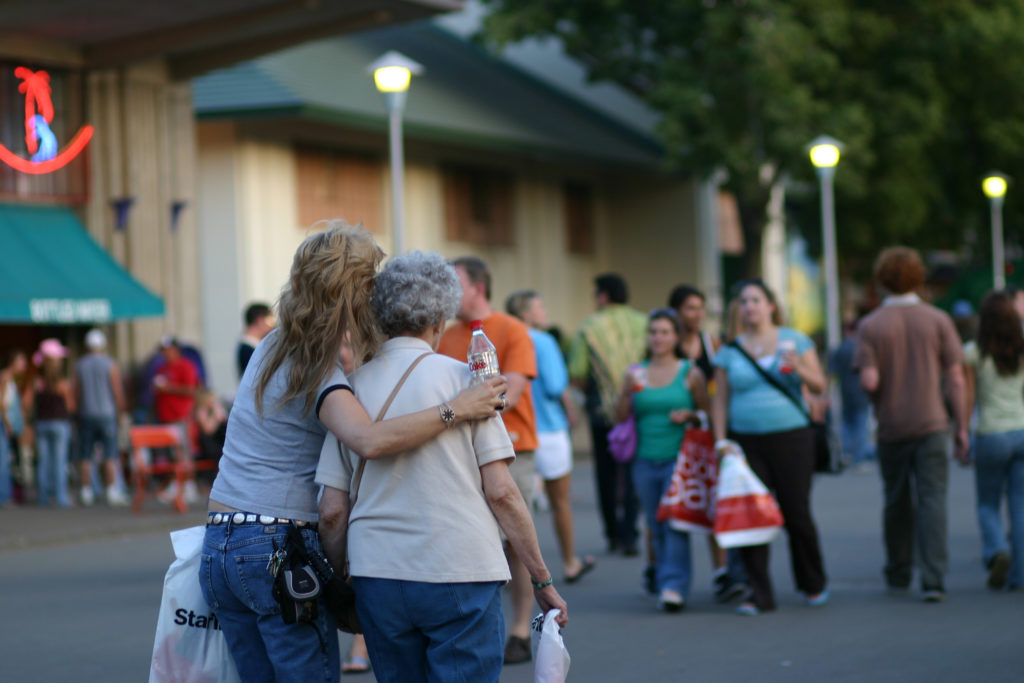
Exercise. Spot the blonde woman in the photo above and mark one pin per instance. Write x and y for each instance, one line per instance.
(293, 392)
(774, 433)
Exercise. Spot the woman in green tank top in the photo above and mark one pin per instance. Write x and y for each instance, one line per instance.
(664, 393)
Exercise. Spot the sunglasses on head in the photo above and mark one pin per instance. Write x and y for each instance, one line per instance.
(660, 312)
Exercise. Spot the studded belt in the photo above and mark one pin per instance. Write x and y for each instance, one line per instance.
(252, 518)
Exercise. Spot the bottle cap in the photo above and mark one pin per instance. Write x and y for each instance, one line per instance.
(476, 325)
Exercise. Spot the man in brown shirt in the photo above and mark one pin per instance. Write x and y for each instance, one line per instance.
(908, 354)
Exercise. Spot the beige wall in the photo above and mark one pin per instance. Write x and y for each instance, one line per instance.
(144, 147)
(249, 232)
(645, 230)
(652, 240)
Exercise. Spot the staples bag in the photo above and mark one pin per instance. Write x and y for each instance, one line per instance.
(189, 645)
(689, 502)
(745, 513)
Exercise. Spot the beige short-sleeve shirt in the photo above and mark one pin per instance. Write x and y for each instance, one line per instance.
(421, 515)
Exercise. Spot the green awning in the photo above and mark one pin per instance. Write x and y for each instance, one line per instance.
(52, 272)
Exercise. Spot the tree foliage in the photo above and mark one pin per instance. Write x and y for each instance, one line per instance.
(922, 93)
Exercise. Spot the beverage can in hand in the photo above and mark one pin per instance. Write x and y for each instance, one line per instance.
(785, 346)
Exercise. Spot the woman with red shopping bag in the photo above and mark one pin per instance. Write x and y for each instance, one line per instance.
(663, 392)
(774, 434)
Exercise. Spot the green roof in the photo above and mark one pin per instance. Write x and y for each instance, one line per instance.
(465, 97)
(55, 273)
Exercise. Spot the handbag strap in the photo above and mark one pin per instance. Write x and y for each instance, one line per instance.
(771, 380)
(358, 476)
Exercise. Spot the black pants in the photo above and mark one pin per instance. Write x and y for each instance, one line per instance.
(784, 461)
(614, 483)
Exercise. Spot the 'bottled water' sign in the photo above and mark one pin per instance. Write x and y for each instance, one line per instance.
(70, 310)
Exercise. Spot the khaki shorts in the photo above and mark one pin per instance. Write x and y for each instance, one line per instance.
(523, 474)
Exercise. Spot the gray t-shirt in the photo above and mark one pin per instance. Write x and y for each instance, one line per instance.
(269, 462)
(97, 396)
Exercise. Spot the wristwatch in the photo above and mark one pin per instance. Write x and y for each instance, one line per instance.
(447, 415)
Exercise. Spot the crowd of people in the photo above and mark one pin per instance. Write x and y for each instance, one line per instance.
(446, 470)
(64, 419)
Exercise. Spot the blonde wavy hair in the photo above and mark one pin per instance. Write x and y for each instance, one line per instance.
(328, 294)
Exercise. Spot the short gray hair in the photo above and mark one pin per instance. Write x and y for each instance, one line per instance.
(415, 291)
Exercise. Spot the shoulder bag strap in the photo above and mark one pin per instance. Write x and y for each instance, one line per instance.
(358, 476)
(771, 380)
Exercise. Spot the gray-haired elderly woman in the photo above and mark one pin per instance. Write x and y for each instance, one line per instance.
(422, 540)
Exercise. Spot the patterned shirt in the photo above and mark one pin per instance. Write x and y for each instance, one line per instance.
(609, 341)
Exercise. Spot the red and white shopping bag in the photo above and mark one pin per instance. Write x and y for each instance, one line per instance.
(745, 512)
(689, 502)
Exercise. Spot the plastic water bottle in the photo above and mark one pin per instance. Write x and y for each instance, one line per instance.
(482, 358)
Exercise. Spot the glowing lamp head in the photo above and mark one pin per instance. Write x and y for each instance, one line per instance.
(392, 78)
(393, 71)
(994, 186)
(824, 152)
(824, 155)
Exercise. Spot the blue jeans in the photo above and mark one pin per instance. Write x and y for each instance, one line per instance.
(52, 440)
(438, 632)
(999, 468)
(671, 547)
(855, 435)
(5, 466)
(237, 585)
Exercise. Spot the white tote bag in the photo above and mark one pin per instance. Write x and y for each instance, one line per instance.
(550, 657)
(189, 645)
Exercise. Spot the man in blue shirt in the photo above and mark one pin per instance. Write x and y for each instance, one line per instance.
(553, 457)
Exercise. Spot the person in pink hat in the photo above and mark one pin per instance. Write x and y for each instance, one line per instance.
(52, 402)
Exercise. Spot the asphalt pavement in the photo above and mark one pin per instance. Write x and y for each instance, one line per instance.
(80, 590)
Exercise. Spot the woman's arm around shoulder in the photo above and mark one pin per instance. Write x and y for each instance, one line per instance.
(346, 418)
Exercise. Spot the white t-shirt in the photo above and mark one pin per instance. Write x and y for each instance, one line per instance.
(421, 515)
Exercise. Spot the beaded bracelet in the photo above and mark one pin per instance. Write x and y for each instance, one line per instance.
(539, 586)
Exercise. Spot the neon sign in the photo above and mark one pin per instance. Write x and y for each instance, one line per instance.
(40, 141)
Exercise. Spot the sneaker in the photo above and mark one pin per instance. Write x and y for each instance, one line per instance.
(191, 493)
(670, 600)
(933, 595)
(818, 600)
(116, 497)
(727, 589)
(517, 650)
(87, 496)
(998, 570)
(748, 609)
(169, 493)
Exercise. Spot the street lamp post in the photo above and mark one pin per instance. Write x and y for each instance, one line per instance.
(994, 187)
(391, 74)
(824, 153)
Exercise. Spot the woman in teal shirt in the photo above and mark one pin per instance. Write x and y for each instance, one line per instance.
(774, 434)
(663, 393)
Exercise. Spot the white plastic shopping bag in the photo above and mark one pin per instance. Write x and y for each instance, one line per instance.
(746, 513)
(551, 659)
(189, 645)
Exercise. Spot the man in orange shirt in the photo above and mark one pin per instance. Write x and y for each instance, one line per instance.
(518, 364)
